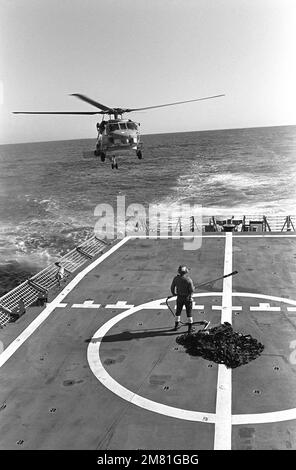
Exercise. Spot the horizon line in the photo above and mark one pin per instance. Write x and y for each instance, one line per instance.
(151, 134)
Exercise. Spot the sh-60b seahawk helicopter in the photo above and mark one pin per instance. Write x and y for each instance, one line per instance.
(116, 136)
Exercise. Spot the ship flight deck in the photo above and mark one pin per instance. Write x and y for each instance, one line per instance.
(98, 367)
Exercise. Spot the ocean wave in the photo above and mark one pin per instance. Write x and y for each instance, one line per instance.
(15, 272)
(49, 190)
(40, 242)
(239, 181)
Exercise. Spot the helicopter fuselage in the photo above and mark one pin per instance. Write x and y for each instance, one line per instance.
(118, 136)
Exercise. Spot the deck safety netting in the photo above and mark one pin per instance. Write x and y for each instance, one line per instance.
(222, 345)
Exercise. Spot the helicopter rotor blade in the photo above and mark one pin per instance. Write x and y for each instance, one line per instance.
(106, 110)
(172, 104)
(92, 102)
(58, 112)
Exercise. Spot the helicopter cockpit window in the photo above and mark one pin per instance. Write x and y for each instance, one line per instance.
(113, 127)
(122, 125)
(132, 126)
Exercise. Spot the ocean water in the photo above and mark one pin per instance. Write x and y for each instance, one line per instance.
(49, 190)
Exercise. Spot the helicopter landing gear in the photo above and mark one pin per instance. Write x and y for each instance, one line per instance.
(99, 153)
(114, 163)
(139, 154)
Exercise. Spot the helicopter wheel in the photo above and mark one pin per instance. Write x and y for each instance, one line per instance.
(103, 157)
(114, 163)
(96, 153)
(139, 155)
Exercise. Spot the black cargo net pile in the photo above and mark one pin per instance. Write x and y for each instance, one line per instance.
(222, 345)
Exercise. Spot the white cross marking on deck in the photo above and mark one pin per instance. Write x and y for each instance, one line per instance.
(87, 304)
(61, 305)
(265, 308)
(220, 307)
(197, 307)
(119, 304)
(291, 309)
(223, 426)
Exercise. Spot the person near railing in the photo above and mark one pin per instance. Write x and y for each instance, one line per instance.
(60, 273)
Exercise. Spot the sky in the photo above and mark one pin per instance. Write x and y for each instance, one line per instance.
(136, 53)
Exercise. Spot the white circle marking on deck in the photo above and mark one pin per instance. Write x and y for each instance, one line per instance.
(93, 357)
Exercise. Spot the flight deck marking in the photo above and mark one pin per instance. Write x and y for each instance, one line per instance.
(265, 307)
(222, 438)
(119, 304)
(94, 360)
(86, 304)
(220, 307)
(93, 356)
(197, 306)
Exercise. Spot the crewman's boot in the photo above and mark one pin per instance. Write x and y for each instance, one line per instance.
(190, 328)
(177, 325)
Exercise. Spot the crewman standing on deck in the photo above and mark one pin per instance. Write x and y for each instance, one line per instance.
(183, 284)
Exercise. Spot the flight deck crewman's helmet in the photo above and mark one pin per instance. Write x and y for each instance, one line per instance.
(182, 270)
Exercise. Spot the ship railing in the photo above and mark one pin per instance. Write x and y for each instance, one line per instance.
(252, 222)
(240, 222)
(39, 284)
(171, 226)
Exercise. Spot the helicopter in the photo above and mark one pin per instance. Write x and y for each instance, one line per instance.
(116, 136)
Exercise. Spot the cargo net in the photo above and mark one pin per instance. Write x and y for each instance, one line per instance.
(222, 345)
